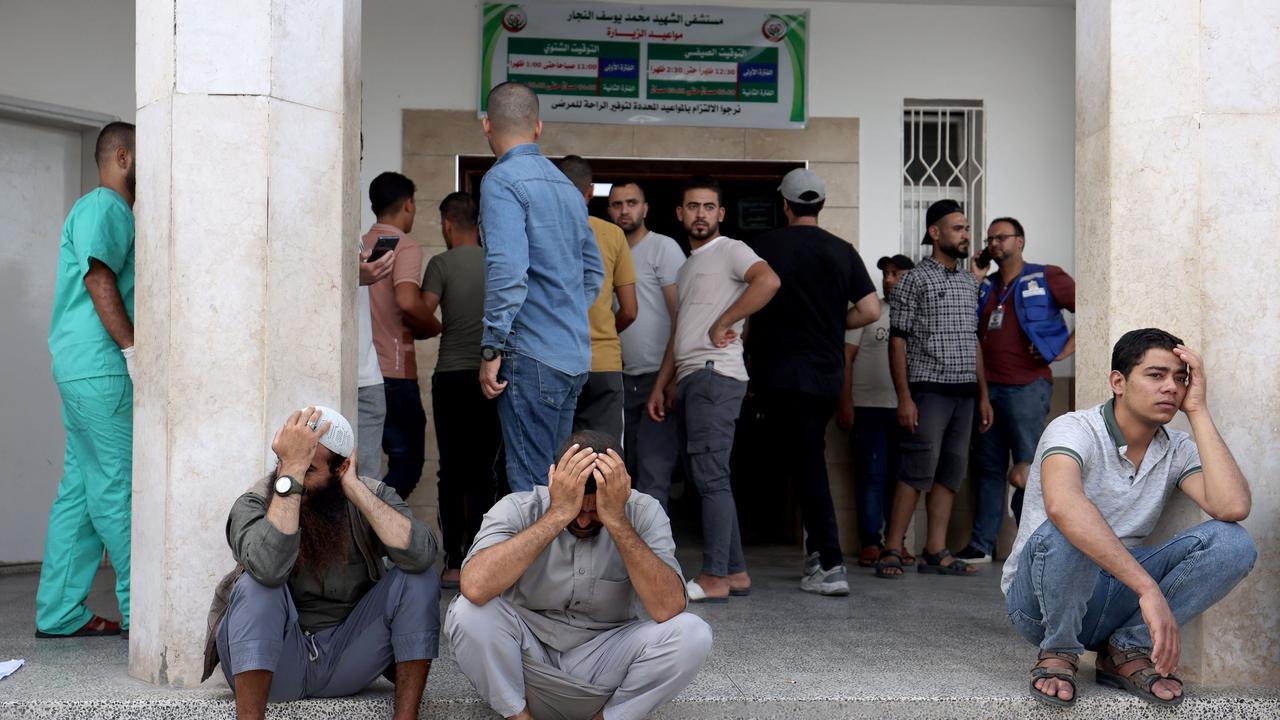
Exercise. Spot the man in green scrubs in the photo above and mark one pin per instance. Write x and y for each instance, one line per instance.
(91, 341)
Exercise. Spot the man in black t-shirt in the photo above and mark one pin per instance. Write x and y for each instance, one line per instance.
(796, 350)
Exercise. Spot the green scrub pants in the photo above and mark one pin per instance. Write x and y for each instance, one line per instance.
(92, 509)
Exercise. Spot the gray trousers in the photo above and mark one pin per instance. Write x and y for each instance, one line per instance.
(600, 405)
(396, 621)
(707, 408)
(628, 671)
(650, 448)
(371, 408)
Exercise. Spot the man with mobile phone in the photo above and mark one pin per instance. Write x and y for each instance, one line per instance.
(1021, 331)
(399, 316)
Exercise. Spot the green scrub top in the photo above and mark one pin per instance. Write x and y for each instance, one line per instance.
(99, 227)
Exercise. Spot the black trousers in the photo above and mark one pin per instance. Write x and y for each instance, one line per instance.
(468, 434)
(796, 424)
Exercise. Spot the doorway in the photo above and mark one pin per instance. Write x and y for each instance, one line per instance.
(766, 507)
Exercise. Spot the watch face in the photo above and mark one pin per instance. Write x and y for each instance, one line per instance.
(283, 484)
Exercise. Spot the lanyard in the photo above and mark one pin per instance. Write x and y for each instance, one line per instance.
(1001, 300)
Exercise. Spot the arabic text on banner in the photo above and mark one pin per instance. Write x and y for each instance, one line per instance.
(663, 64)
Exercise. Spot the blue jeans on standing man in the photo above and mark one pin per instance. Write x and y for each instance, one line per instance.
(875, 452)
(536, 410)
(1020, 412)
(1061, 600)
(404, 435)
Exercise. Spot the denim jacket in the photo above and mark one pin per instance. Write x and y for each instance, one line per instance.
(541, 264)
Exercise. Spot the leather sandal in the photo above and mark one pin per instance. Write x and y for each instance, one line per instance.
(96, 627)
(889, 559)
(1140, 681)
(1065, 674)
(932, 564)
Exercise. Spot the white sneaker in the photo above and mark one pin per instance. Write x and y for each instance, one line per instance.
(826, 582)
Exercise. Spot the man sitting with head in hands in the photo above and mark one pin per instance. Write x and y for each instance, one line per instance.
(1079, 577)
(311, 610)
(572, 602)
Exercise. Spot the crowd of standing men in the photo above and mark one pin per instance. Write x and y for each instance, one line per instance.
(581, 362)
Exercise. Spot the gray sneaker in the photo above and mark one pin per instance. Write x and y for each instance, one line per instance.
(811, 563)
(826, 582)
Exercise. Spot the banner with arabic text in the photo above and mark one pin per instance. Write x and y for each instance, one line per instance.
(651, 64)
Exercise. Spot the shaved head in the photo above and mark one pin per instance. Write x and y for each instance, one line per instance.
(114, 135)
(512, 109)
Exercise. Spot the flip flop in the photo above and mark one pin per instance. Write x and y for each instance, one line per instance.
(739, 591)
(698, 595)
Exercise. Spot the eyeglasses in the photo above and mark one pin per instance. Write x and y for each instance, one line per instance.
(1001, 238)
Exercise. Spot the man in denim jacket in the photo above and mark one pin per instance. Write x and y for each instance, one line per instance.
(542, 270)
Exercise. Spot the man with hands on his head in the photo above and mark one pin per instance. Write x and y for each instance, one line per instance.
(311, 610)
(1077, 578)
(572, 604)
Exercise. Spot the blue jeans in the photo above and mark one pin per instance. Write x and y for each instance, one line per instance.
(1020, 412)
(404, 435)
(1061, 600)
(875, 451)
(536, 410)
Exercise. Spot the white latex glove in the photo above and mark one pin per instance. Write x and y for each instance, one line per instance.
(128, 362)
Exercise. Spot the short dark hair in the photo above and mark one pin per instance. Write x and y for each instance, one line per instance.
(578, 170)
(702, 182)
(388, 191)
(461, 210)
(599, 441)
(805, 209)
(113, 135)
(1133, 345)
(1017, 226)
(630, 181)
(512, 107)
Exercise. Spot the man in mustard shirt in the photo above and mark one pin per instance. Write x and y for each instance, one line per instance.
(91, 341)
(602, 398)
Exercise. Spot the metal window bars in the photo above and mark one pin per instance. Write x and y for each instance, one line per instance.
(944, 147)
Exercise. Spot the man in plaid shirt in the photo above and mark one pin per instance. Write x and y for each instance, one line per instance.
(937, 373)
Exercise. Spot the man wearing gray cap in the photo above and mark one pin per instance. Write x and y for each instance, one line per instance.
(796, 347)
(311, 610)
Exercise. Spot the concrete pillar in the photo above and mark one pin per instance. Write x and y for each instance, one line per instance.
(1178, 227)
(248, 146)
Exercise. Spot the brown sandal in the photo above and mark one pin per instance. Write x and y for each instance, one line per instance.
(1066, 674)
(96, 627)
(1140, 681)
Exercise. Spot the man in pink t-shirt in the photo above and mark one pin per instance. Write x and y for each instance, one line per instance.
(399, 317)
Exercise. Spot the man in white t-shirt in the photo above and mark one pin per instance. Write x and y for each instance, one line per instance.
(371, 399)
(704, 379)
(649, 447)
(873, 426)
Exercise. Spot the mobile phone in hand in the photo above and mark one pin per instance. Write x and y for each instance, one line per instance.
(385, 244)
(984, 259)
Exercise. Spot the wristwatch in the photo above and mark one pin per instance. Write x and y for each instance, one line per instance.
(286, 485)
(488, 353)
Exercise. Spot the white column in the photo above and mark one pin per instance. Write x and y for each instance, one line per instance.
(1177, 217)
(248, 148)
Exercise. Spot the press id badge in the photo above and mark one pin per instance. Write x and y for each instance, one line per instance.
(997, 318)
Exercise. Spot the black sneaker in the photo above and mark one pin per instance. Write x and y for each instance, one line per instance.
(973, 555)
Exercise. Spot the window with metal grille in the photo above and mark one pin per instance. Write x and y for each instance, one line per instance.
(944, 156)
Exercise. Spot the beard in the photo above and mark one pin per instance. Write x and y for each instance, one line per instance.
(323, 524)
(958, 252)
(584, 533)
(628, 226)
(702, 232)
